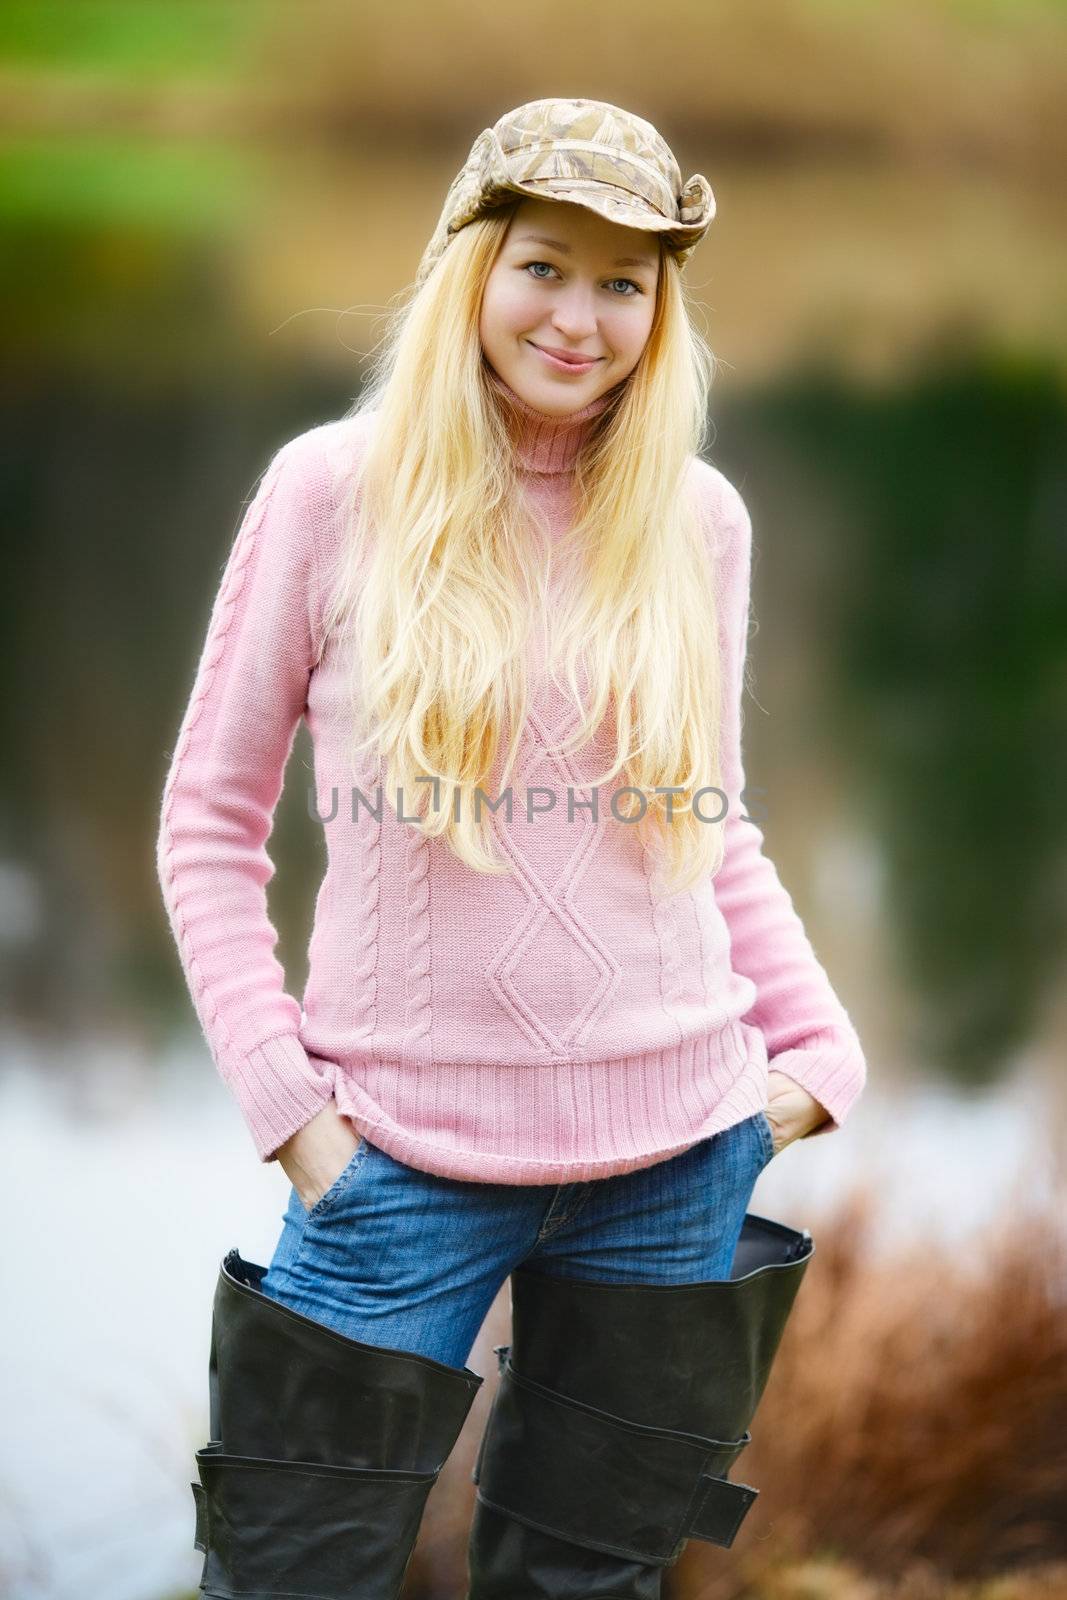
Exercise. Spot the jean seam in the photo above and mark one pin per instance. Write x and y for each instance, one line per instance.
(578, 1201)
(768, 1136)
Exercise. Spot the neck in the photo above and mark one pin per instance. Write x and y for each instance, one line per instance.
(543, 443)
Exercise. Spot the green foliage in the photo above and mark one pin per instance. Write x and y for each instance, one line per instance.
(149, 38)
(940, 654)
(100, 181)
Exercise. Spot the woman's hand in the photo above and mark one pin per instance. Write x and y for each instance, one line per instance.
(316, 1154)
(791, 1111)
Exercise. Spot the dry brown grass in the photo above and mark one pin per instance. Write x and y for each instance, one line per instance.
(915, 1423)
(931, 80)
(840, 1580)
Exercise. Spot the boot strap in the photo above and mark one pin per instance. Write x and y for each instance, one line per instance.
(200, 1499)
(305, 1527)
(598, 1480)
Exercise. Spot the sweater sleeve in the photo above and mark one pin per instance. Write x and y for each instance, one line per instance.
(808, 1032)
(225, 779)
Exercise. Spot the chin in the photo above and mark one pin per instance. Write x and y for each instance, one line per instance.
(555, 405)
(566, 394)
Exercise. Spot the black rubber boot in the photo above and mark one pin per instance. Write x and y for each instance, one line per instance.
(323, 1451)
(620, 1411)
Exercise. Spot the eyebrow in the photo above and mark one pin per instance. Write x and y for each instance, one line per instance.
(565, 249)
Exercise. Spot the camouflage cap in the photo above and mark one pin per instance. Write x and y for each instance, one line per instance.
(585, 151)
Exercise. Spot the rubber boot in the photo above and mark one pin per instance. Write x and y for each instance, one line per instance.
(323, 1451)
(620, 1411)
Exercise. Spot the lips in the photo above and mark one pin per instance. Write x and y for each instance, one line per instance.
(568, 356)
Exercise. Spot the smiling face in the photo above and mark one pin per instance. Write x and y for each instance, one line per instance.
(568, 281)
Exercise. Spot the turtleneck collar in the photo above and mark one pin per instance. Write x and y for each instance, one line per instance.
(544, 443)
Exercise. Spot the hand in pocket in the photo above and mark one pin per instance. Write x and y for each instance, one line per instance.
(791, 1111)
(317, 1156)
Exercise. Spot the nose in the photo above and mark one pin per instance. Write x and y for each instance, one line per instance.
(574, 313)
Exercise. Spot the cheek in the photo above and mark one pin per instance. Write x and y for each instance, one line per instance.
(508, 307)
(628, 334)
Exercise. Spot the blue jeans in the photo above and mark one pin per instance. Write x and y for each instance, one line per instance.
(407, 1260)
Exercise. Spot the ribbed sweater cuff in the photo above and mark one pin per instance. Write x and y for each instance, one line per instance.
(278, 1089)
(830, 1066)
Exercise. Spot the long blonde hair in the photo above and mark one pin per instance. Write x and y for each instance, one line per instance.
(439, 580)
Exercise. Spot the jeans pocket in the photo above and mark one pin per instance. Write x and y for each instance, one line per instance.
(767, 1135)
(340, 1183)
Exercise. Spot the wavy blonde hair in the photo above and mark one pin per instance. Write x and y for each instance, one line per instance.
(442, 573)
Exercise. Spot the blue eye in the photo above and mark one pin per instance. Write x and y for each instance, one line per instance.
(636, 287)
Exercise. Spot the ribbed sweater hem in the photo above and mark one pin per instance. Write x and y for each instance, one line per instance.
(279, 1089)
(830, 1066)
(641, 1108)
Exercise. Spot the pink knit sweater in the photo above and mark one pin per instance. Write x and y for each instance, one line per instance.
(560, 1023)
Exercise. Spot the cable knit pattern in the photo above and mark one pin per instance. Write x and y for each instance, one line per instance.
(418, 965)
(364, 1001)
(563, 1022)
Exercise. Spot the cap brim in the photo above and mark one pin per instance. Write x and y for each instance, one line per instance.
(617, 205)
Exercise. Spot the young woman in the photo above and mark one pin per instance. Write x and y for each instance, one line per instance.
(560, 1011)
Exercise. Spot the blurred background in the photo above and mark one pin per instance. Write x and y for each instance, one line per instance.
(204, 206)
